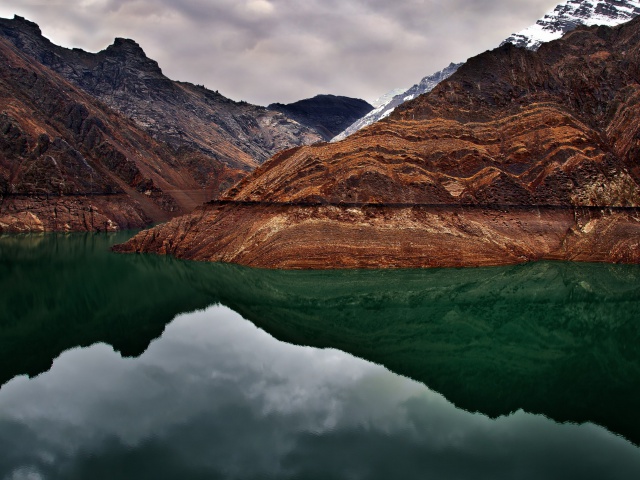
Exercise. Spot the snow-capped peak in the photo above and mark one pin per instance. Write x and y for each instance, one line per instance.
(568, 15)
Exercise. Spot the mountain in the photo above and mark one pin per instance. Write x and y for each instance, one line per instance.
(568, 15)
(69, 162)
(563, 18)
(385, 108)
(518, 156)
(326, 114)
(187, 117)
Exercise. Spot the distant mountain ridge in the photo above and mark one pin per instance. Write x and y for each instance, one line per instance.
(327, 114)
(184, 115)
(384, 99)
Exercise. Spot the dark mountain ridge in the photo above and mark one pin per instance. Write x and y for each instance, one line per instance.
(327, 114)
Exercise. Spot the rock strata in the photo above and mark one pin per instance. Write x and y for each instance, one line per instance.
(322, 237)
(518, 156)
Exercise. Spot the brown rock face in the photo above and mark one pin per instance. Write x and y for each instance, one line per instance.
(68, 162)
(519, 156)
(321, 237)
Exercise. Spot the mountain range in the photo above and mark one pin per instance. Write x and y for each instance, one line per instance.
(520, 155)
(196, 142)
(102, 141)
(563, 18)
(69, 162)
(183, 115)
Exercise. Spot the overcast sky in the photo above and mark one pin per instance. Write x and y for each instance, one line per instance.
(265, 51)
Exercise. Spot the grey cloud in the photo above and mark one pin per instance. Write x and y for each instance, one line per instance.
(264, 51)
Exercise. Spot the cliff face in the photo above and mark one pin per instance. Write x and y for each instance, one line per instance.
(325, 237)
(188, 117)
(520, 155)
(68, 162)
(327, 114)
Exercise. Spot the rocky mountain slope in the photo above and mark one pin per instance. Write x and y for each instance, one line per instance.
(186, 116)
(518, 156)
(384, 109)
(568, 15)
(327, 114)
(69, 162)
(563, 18)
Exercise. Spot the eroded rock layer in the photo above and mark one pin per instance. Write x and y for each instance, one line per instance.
(519, 156)
(321, 237)
(97, 213)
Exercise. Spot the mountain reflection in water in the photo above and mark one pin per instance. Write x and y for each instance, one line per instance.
(215, 397)
(550, 338)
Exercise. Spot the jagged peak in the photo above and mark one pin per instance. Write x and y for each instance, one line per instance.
(129, 50)
(121, 47)
(27, 23)
(127, 45)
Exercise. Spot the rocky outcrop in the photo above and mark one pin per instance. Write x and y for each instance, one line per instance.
(327, 114)
(519, 156)
(68, 162)
(187, 117)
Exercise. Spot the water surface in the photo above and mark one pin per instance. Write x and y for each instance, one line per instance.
(512, 372)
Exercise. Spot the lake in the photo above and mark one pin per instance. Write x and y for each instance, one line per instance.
(146, 367)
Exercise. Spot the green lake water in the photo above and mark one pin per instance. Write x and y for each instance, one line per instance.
(136, 366)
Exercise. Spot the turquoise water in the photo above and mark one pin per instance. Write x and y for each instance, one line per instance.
(149, 367)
